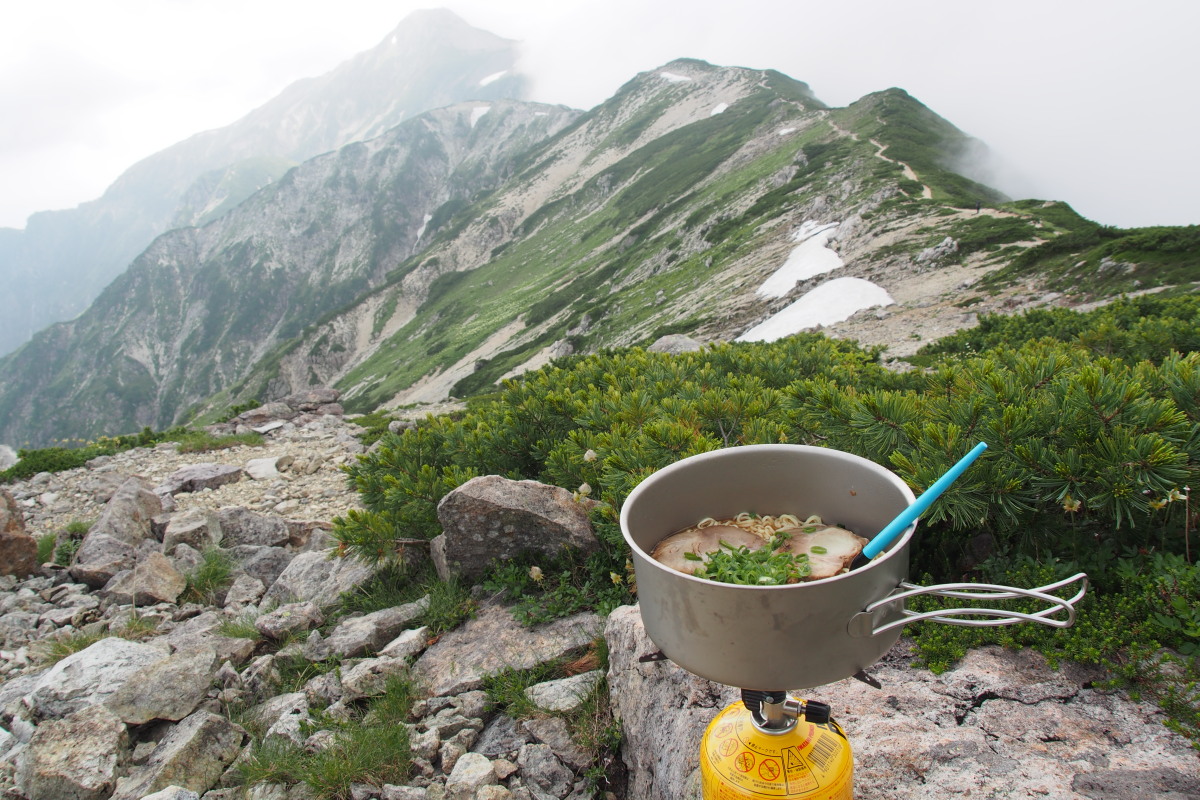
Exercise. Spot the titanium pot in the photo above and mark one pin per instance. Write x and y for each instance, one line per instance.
(803, 635)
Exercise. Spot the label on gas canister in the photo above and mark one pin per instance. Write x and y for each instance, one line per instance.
(740, 762)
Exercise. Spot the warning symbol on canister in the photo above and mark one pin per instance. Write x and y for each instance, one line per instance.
(797, 774)
(808, 762)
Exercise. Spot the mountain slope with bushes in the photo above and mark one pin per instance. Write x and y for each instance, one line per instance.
(473, 243)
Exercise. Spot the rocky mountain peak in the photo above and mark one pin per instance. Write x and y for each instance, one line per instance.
(63, 259)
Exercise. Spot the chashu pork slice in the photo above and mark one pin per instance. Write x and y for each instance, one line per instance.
(702, 541)
(834, 548)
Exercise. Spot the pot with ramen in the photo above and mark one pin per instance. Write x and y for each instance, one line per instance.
(804, 633)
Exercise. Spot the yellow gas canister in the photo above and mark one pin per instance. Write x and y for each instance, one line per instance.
(741, 760)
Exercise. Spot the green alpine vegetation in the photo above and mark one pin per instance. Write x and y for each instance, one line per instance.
(1090, 461)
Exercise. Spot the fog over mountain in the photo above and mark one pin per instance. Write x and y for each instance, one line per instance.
(56, 266)
(423, 255)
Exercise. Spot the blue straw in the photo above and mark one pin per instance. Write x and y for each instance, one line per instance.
(918, 507)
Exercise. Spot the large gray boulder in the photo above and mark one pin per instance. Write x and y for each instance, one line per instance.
(369, 633)
(544, 772)
(197, 527)
(241, 526)
(169, 689)
(100, 558)
(204, 631)
(316, 575)
(154, 579)
(290, 619)
(674, 344)
(76, 758)
(192, 756)
(260, 561)
(312, 398)
(128, 515)
(114, 541)
(494, 518)
(90, 676)
(198, 477)
(369, 677)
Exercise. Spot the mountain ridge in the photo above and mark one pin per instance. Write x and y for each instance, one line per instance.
(385, 271)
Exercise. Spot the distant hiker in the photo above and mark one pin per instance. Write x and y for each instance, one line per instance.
(978, 203)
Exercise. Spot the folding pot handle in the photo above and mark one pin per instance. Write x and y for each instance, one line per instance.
(862, 624)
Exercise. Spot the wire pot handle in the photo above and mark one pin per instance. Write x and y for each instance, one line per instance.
(986, 591)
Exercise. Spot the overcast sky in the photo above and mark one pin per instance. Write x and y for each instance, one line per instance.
(1089, 101)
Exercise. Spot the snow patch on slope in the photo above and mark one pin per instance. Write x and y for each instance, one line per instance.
(477, 113)
(424, 224)
(833, 301)
(810, 258)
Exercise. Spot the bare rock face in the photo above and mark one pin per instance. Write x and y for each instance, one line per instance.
(495, 518)
(999, 724)
(18, 550)
(663, 710)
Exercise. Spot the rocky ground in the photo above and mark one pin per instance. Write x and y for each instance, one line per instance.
(307, 481)
(169, 714)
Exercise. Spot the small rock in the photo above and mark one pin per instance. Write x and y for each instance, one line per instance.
(289, 619)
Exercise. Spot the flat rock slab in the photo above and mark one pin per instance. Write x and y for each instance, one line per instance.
(90, 676)
(197, 477)
(999, 724)
(494, 641)
(315, 576)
